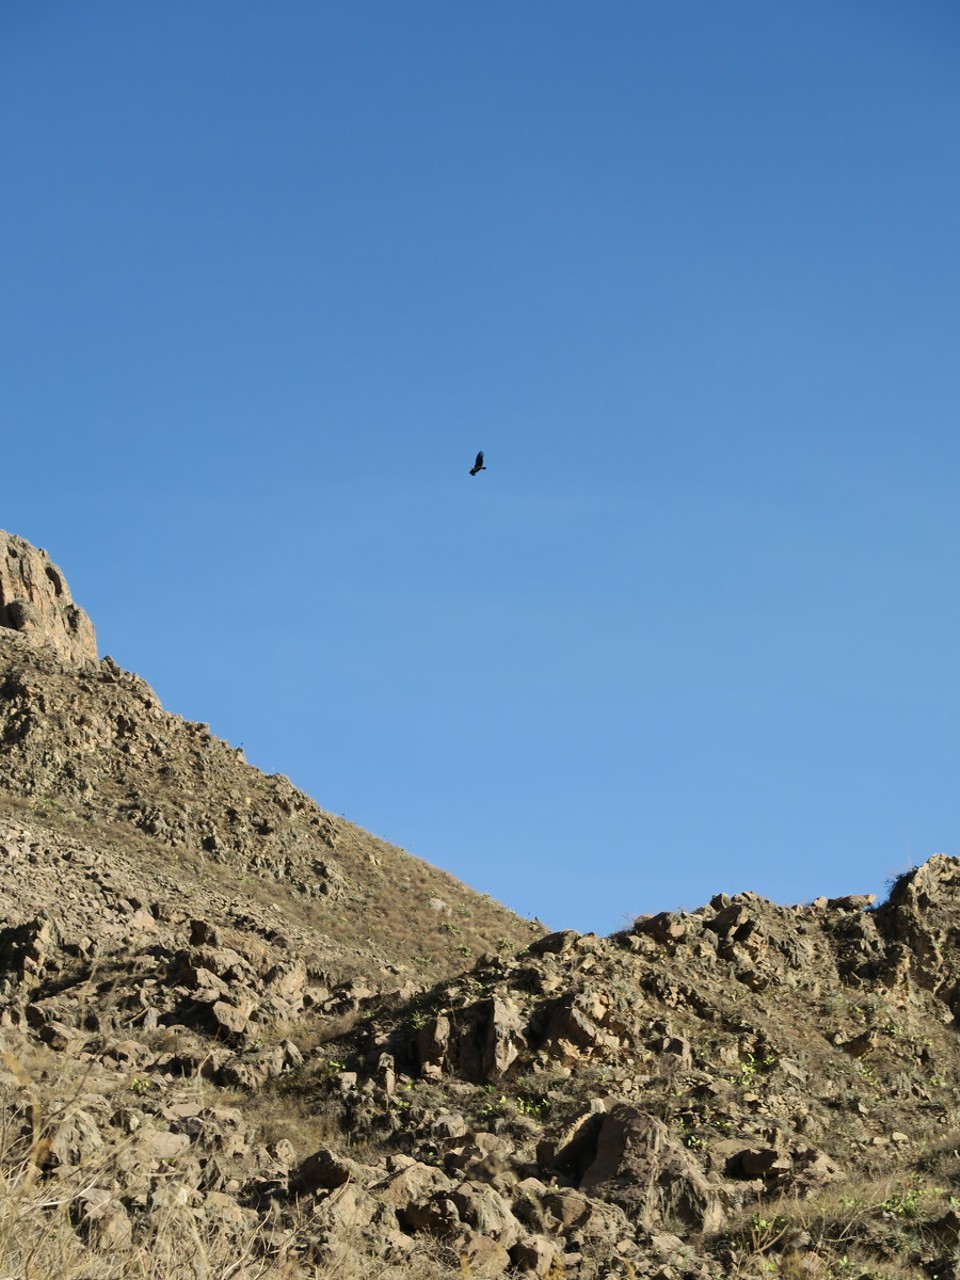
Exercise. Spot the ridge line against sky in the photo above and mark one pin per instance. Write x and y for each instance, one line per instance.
(688, 275)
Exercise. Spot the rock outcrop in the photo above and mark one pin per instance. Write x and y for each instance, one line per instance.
(36, 604)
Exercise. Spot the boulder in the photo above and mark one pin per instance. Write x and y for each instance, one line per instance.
(409, 1183)
(252, 1069)
(759, 1162)
(348, 1209)
(574, 1148)
(654, 1179)
(432, 1044)
(534, 1255)
(851, 902)
(448, 1125)
(100, 1219)
(481, 1256)
(25, 951)
(486, 1154)
(438, 1215)
(75, 1137)
(665, 927)
(572, 1032)
(503, 1037)
(484, 1209)
(555, 943)
(566, 1210)
(324, 1170)
(232, 1019)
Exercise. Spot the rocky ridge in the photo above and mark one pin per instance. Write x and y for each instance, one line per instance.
(221, 1056)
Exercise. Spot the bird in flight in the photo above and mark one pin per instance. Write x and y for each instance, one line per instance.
(478, 465)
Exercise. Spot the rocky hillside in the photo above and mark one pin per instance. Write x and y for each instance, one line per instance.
(240, 1037)
(87, 752)
(746, 1089)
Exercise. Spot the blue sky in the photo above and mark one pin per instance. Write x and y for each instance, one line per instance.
(688, 273)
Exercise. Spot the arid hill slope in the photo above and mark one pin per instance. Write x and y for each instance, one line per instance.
(241, 1038)
(87, 751)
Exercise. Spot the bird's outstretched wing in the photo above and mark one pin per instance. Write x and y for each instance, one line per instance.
(478, 465)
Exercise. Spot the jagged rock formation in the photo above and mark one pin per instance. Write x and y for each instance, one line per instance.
(36, 605)
(231, 1019)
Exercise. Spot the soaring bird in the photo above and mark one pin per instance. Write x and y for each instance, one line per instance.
(478, 465)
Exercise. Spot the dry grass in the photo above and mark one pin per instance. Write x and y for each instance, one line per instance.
(68, 1229)
(48, 1235)
(72, 1228)
(81, 1222)
(282, 1115)
(867, 1229)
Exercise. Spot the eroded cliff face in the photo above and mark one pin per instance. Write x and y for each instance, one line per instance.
(35, 602)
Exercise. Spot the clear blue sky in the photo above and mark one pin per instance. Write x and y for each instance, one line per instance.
(689, 273)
